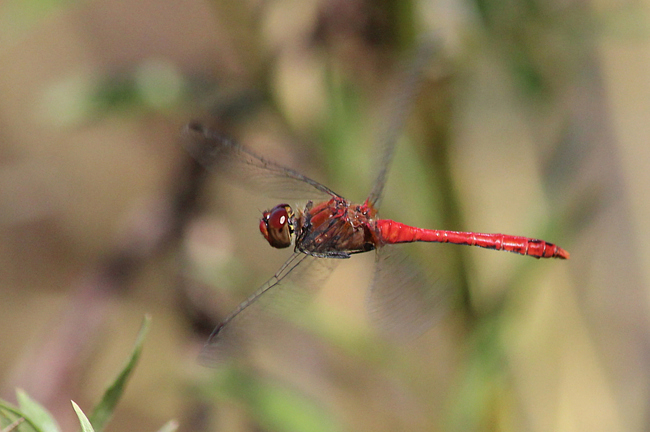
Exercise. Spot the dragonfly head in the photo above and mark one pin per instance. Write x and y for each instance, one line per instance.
(277, 226)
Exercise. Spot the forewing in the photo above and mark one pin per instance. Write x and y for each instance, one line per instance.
(401, 302)
(219, 153)
(288, 291)
(398, 108)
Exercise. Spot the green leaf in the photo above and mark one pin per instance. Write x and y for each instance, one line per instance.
(83, 420)
(104, 410)
(170, 426)
(36, 414)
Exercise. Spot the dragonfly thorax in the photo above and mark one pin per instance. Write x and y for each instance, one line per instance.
(277, 226)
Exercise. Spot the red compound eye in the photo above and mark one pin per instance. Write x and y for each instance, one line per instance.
(276, 226)
(278, 218)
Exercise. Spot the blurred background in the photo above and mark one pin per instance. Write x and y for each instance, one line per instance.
(532, 120)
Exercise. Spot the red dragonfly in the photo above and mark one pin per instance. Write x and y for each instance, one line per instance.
(329, 226)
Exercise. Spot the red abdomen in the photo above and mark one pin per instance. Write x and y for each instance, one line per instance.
(391, 232)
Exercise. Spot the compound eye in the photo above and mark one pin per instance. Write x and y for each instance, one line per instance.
(276, 226)
(278, 218)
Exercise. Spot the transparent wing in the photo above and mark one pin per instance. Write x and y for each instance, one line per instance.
(219, 153)
(401, 302)
(399, 108)
(289, 290)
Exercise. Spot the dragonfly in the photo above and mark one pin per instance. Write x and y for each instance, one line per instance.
(328, 228)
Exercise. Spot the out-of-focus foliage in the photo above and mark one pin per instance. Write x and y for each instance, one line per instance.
(39, 418)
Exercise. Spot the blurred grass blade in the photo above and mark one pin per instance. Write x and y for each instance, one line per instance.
(104, 410)
(36, 414)
(13, 425)
(6, 407)
(275, 406)
(83, 420)
(170, 426)
(284, 409)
